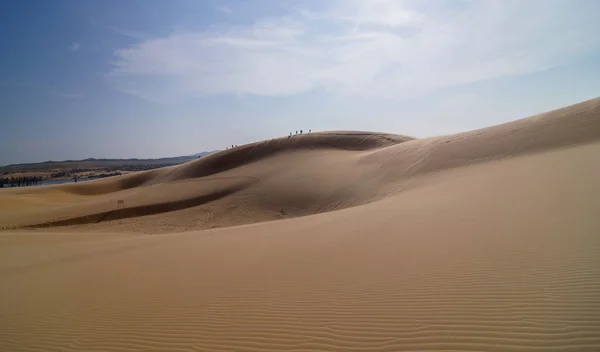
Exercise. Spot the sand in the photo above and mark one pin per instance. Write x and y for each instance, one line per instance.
(335, 241)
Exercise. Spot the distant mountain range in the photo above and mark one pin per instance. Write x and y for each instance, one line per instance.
(132, 164)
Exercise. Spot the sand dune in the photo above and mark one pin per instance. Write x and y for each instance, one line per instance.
(280, 178)
(286, 177)
(480, 241)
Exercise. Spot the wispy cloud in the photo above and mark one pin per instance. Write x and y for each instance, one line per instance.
(224, 9)
(383, 48)
(128, 33)
(74, 47)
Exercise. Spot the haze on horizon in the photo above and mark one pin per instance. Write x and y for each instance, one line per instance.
(148, 79)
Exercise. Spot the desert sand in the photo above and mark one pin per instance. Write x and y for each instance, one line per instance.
(487, 240)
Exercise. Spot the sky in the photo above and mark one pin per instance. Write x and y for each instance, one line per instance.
(153, 78)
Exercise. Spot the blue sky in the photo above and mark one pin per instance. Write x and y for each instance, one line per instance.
(149, 78)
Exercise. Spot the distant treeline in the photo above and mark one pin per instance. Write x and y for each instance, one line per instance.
(105, 175)
(73, 173)
(109, 171)
(20, 181)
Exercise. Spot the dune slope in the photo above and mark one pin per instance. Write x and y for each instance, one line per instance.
(466, 245)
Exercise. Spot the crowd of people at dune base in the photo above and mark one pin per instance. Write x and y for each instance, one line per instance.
(297, 133)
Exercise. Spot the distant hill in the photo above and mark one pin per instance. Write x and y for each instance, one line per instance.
(133, 164)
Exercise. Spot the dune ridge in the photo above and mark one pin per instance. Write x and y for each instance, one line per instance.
(481, 241)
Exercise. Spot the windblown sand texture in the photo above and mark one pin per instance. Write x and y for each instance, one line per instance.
(340, 241)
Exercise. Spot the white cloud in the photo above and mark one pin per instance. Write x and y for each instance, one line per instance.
(74, 47)
(384, 48)
(386, 13)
